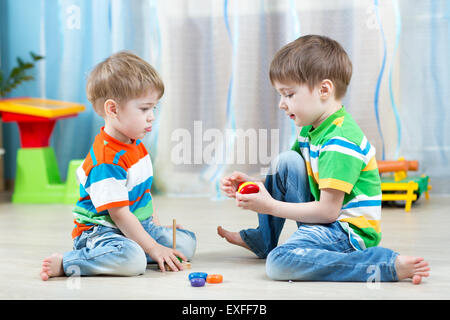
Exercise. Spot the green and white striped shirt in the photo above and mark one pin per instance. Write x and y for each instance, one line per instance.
(339, 156)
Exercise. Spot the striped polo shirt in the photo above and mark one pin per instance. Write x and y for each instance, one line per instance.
(339, 156)
(113, 174)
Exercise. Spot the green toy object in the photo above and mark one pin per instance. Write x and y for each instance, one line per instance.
(38, 180)
(72, 186)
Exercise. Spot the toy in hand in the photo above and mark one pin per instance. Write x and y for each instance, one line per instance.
(248, 187)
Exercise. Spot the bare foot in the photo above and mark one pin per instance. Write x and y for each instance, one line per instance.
(232, 237)
(411, 267)
(52, 267)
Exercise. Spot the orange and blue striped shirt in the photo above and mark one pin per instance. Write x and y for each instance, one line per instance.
(113, 174)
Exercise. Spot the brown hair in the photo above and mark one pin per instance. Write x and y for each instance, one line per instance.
(122, 76)
(311, 59)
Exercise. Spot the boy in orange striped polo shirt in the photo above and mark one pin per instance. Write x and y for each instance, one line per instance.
(115, 226)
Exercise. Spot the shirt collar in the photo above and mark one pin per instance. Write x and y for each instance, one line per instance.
(317, 132)
(106, 137)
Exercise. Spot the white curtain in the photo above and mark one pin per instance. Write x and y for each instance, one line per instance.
(215, 61)
(219, 112)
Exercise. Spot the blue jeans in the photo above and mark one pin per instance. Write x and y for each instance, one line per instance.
(106, 251)
(315, 251)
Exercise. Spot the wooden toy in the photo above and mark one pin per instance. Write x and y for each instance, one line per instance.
(185, 264)
(398, 185)
(248, 187)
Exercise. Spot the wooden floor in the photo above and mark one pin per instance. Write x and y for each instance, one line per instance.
(28, 233)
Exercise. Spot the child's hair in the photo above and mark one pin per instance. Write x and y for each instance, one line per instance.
(121, 77)
(311, 59)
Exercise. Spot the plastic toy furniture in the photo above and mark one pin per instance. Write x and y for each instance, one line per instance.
(399, 167)
(37, 174)
(398, 186)
(72, 186)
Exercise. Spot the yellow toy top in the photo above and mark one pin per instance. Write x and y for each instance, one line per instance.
(40, 107)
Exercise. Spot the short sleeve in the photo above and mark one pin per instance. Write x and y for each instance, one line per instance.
(296, 146)
(339, 164)
(106, 186)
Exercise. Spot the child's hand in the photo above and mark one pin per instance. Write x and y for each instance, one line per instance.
(261, 202)
(162, 255)
(229, 185)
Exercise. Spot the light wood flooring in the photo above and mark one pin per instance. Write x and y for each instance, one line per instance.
(28, 233)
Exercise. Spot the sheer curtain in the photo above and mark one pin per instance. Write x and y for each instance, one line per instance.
(216, 59)
(219, 112)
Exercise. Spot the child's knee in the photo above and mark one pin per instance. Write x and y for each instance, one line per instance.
(135, 261)
(186, 243)
(280, 264)
(288, 156)
(289, 159)
(274, 264)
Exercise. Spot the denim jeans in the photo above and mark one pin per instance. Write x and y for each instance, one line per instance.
(106, 251)
(320, 252)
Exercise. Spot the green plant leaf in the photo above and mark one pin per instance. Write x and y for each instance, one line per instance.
(17, 74)
(35, 56)
(14, 72)
(28, 65)
(20, 62)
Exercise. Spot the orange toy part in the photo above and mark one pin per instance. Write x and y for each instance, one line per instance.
(248, 187)
(214, 278)
(399, 165)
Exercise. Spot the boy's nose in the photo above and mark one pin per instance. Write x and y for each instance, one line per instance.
(151, 117)
(282, 105)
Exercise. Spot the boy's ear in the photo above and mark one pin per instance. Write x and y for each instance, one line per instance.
(110, 106)
(326, 89)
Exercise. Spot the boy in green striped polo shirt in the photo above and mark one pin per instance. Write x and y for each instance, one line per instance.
(328, 183)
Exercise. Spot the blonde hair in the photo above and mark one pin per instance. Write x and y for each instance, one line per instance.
(311, 59)
(121, 77)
